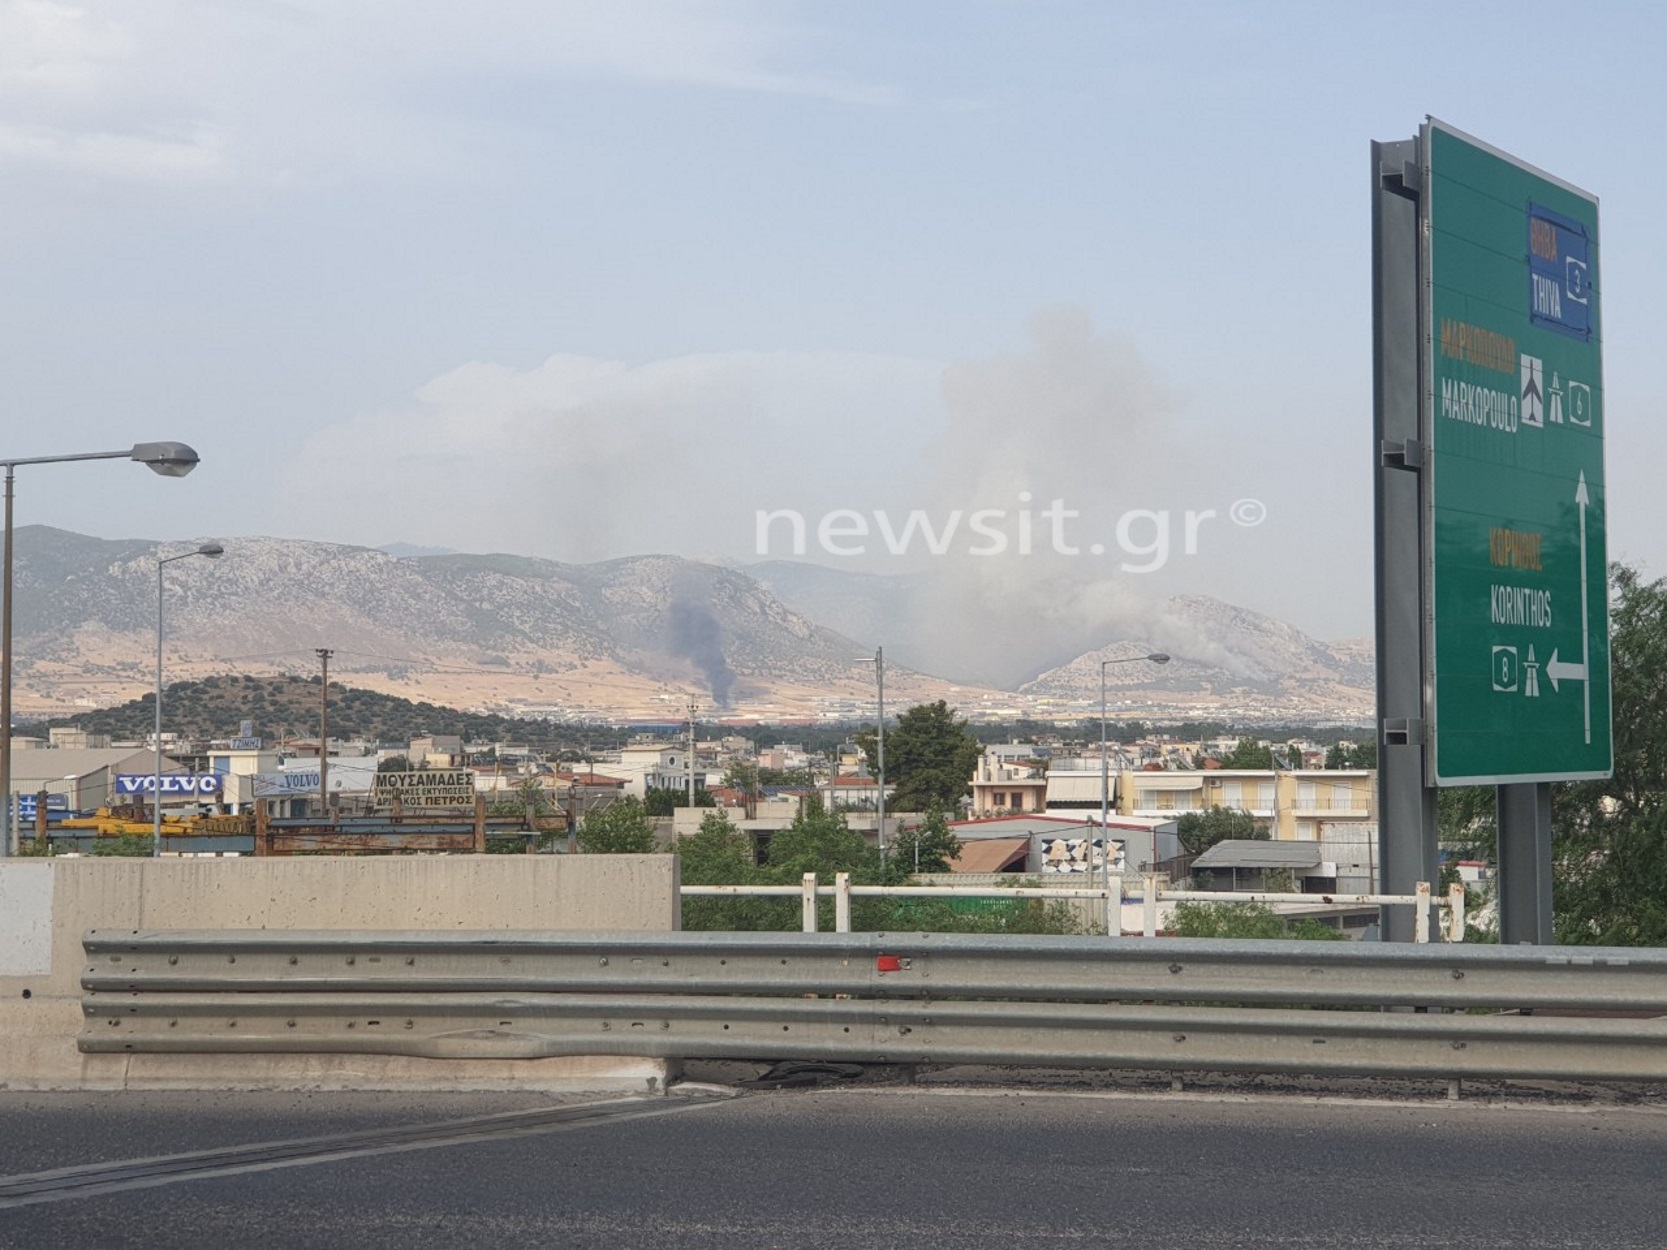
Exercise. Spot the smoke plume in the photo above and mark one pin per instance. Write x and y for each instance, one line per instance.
(695, 634)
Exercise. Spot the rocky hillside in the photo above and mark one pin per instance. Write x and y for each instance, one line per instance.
(635, 638)
(651, 629)
(1246, 663)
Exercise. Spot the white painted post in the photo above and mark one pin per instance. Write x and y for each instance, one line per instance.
(1421, 930)
(842, 903)
(1114, 907)
(1455, 912)
(809, 897)
(1151, 905)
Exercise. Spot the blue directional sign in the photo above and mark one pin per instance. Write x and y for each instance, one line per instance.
(1559, 273)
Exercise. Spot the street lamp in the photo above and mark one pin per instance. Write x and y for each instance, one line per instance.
(168, 459)
(878, 660)
(1157, 657)
(213, 551)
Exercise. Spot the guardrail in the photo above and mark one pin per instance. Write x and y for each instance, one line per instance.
(1111, 900)
(1171, 1004)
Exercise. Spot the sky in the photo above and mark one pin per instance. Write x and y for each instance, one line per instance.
(586, 280)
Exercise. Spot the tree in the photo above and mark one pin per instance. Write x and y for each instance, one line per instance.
(742, 775)
(394, 764)
(1467, 819)
(927, 846)
(1352, 755)
(1249, 754)
(620, 828)
(663, 800)
(717, 854)
(1245, 920)
(930, 758)
(1609, 879)
(720, 854)
(819, 841)
(1201, 830)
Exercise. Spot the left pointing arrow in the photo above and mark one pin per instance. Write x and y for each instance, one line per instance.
(1560, 671)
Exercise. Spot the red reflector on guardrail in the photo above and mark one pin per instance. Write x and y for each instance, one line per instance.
(888, 963)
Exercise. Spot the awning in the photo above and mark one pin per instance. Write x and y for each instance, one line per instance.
(991, 855)
(1260, 853)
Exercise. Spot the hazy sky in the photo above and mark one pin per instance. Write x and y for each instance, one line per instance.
(591, 279)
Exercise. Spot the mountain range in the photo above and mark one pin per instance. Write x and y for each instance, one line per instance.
(625, 639)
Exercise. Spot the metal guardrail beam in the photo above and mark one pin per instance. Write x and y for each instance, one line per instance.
(1048, 1034)
(874, 965)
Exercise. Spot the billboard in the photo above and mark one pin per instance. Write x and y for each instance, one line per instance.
(280, 785)
(426, 787)
(1518, 628)
(204, 785)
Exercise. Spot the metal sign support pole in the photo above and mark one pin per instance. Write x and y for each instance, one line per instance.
(1525, 863)
(1407, 822)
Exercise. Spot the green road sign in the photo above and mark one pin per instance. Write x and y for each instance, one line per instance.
(1519, 635)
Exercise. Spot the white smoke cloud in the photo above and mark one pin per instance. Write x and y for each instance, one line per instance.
(586, 459)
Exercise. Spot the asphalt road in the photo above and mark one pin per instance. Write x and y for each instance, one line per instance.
(866, 1166)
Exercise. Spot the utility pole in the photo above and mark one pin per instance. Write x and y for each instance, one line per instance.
(880, 743)
(693, 707)
(324, 654)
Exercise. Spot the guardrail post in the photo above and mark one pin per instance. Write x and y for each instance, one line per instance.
(809, 897)
(842, 903)
(1421, 929)
(1114, 907)
(1151, 927)
(1455, 912)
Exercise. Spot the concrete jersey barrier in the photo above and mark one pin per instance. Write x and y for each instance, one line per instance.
(47, 905)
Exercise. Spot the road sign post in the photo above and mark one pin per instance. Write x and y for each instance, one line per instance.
(1502, 446)
(1406, 805)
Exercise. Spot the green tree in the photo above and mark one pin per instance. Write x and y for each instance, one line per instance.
(743, 776)
(819, 841)
(1244, 920)
(1249, 754)
(664, 800)
(1352, 755)
(620, 828)
(928, 846)
(1200, 830)
(1467, 819)
(930, 758)
(720, 854)
(1609, 879)
(717, 854)
(394, 764)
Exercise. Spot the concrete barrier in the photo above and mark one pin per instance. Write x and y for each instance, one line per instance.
(47, 905)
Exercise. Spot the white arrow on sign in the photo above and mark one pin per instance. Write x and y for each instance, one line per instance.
(1558, 671)
(1555, 669)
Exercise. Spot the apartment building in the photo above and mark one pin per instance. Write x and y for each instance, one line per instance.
(1297, 804)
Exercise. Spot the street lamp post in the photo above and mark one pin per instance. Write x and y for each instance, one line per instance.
(878, 659)
(168, 459)
(213, 551)
(1157, 657)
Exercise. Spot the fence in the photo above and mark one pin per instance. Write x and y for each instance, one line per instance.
(1110, 899)
(1172, 1004)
